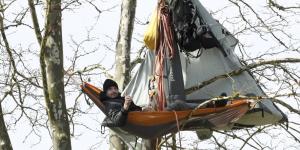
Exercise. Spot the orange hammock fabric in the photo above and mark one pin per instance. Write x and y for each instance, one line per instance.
(150, 125)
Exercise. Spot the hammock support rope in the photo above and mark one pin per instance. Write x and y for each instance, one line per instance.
(149, 125)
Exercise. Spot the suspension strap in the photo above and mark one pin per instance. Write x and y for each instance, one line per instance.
(178, 128)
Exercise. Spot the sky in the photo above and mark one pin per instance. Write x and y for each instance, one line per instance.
(102, 29)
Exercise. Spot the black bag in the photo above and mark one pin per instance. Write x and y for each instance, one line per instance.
(191, 31)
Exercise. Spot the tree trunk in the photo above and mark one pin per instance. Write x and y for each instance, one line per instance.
(53, 77)
(174, 141)
(123, 45)
(115, 142)
(5, 143)
(150, 144)
(122, 75)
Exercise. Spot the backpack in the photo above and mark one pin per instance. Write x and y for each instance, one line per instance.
(191, 32)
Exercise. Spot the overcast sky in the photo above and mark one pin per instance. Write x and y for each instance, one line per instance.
(103, 30)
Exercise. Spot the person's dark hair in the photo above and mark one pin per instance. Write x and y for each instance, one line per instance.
(109, 83)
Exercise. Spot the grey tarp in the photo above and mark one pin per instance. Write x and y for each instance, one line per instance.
(210, 64)
(137, 88)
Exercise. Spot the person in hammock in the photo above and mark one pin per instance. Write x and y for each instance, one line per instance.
(116, 106)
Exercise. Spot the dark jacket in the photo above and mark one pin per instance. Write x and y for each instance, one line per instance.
(116, 114)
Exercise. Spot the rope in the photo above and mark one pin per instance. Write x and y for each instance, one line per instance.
(168, 39)
(253, 98)
(156, 145)
(82, 82)
(178, 127)
(165, 45)
(159, 70)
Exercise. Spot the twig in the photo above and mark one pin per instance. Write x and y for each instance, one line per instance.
(239, 71)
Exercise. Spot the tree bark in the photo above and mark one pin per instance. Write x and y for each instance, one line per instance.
(123, 45)
(150, 144)
(35, 21)
(174, 142)
(115, 142)
(5, 143)
(51, 60)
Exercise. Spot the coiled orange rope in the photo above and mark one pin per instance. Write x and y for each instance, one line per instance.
(166, 42)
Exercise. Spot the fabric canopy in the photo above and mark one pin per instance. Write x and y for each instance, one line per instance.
(211, 63)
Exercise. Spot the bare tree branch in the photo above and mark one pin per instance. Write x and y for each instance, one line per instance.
(239, 71)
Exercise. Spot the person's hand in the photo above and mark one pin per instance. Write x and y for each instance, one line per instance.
(127, 102)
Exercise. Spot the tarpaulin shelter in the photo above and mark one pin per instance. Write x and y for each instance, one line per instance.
(211, 63)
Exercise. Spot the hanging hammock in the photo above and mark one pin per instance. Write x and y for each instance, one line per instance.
(150, 125)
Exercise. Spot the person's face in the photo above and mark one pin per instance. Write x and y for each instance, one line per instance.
(112, 92)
